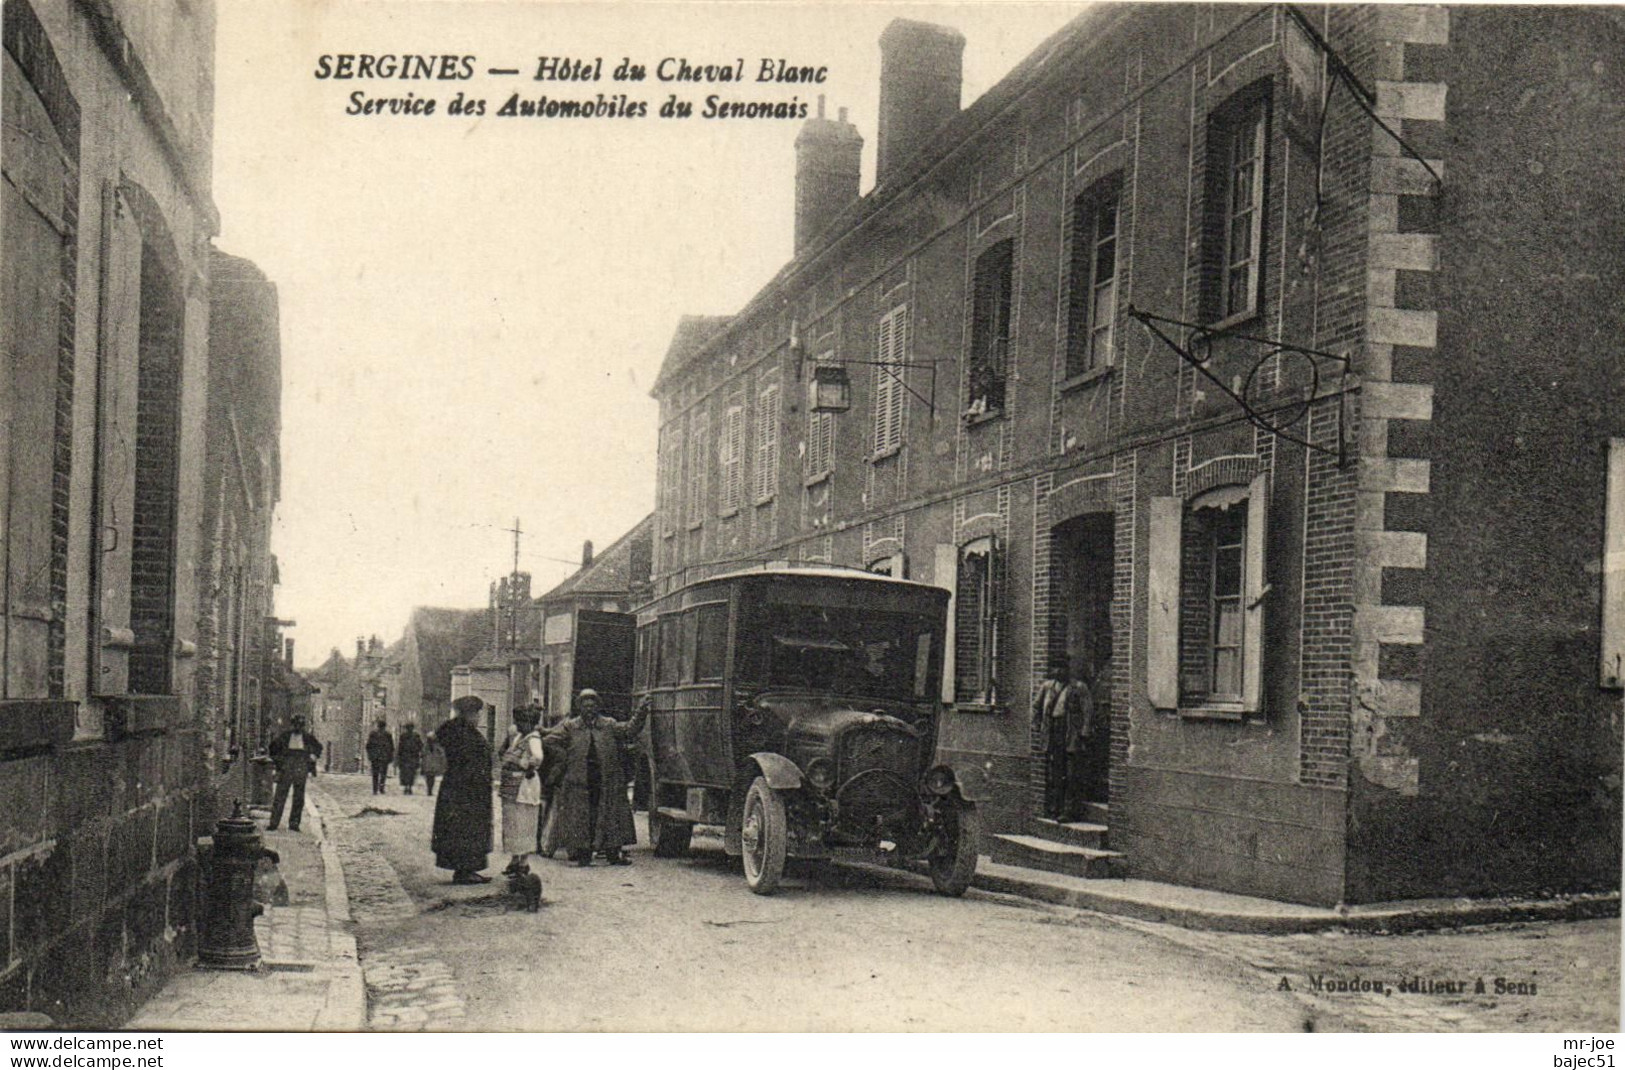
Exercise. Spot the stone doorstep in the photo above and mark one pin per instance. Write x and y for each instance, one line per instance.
(1038, 853)
(1201, 908)
(1076, 833)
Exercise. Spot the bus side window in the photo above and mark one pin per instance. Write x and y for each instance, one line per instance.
(711, 642)
(666, 673)
(690, 626)
(640, 660)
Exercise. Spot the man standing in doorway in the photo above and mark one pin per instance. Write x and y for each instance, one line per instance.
(1064, 724)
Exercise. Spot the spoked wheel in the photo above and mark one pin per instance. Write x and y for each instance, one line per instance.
(763, 836)
(953, 862)
(668, 838)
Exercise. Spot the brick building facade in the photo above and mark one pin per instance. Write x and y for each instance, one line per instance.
(1258, 364)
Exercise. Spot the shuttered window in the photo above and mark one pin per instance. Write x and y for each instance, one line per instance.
(699, 468)
(891, 345)
(820, 436)
(766, 482)
(33, 199)
(976, 624)
(731, 456)
(673, 513)
(1205, 611)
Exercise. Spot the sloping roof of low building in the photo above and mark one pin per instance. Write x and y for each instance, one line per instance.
(331, 671)
(688, 342)
(446, 638)
(622, 567)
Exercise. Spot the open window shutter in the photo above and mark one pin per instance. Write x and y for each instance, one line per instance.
(31, 205)
(884, 384)
(1252, 593)
(733, 447)
(1612, 669)
(770, 406)
(679, 457)
(767, 442)
(121, 331)
(945, 574)
(736, 450)
(991, 612)
(1162, 610)
(700, 478)
(894, 401)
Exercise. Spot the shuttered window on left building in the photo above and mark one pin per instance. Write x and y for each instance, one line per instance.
(39, 179)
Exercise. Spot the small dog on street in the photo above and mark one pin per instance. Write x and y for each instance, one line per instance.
(526, 886)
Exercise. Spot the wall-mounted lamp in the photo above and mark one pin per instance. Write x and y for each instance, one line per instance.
(830, 389)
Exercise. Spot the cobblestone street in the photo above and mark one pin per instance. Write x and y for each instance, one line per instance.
(408, 986)
(871, 949)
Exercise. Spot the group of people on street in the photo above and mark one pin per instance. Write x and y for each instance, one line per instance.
(575, 774)
(412, 755)
(565, 789)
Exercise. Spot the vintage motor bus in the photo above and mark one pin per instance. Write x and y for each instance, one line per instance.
(797, 708)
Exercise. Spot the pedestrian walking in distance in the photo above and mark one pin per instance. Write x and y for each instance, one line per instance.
(408, 756)
(594, 814)
(462, 814)
(521, 787)
(294, 753)
(380, 752)
(434, 762)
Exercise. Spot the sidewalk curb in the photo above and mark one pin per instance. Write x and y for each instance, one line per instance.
(1406, 916)
(345, 1010)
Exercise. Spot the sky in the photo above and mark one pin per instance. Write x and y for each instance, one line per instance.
(473, 309)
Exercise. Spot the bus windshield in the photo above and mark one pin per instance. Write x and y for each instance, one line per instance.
(843, 651)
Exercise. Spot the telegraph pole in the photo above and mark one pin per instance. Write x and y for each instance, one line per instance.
(513, 588)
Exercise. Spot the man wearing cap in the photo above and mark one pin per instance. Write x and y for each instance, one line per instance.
(592, 810)
(462, 811)
(295, 752)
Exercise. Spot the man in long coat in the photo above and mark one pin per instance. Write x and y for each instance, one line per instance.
(592, 810)
(380, 752)
(408, 755)
(462, 810)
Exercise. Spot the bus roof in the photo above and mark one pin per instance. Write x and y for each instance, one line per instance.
(837, 572)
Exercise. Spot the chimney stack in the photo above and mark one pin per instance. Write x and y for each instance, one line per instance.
(586, 553)
(920, 73)
(829, 154)
(287, 651)
(360, 648)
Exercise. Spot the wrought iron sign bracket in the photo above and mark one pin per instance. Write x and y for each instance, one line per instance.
(1197, 350)
(831, 387)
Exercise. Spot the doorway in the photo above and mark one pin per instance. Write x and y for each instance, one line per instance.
(1082, 561)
